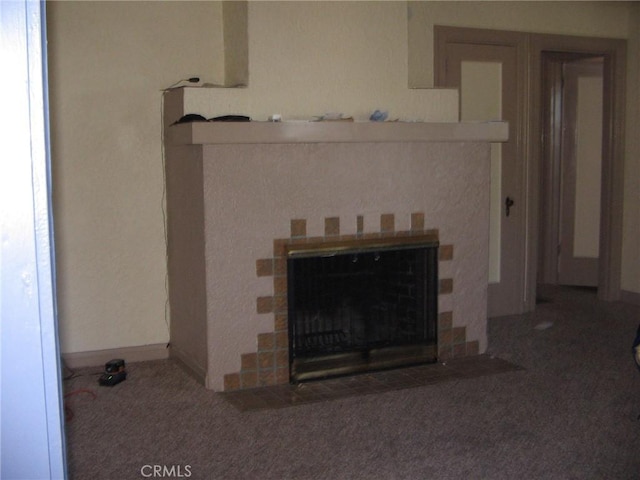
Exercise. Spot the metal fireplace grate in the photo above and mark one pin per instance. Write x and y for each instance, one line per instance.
(359, 306)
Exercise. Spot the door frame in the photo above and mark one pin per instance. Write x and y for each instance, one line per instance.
(531, 47)
(612, 189)
(32, 405)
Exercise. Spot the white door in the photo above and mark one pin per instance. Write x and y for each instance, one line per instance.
(487, 76)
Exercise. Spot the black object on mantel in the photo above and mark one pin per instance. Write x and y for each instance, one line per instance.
(230, 118)
(195, 117)
(190, 117)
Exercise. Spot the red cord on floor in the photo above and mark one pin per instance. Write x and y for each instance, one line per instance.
(68, 412)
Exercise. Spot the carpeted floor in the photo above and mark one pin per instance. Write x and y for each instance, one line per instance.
(570, 411)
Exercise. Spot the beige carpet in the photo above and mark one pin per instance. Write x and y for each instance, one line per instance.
(570, 412)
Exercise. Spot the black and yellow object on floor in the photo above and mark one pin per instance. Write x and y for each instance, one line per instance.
(114, 373)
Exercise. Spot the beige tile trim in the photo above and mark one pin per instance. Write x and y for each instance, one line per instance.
(269, 364)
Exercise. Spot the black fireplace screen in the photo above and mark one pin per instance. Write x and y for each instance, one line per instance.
(361, 308)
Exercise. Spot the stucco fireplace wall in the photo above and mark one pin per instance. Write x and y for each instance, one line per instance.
(227, 202)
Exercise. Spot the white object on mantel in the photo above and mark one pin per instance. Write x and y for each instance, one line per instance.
(203, 133)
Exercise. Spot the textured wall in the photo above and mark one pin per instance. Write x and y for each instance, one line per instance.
(252, 192)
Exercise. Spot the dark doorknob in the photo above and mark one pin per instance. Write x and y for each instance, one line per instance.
(508, 203)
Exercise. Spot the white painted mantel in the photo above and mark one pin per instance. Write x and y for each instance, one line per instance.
(232, 188)
(207, 133)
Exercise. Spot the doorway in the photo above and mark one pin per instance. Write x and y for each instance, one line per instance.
(545, 50)
(528, 130)
(571, 180)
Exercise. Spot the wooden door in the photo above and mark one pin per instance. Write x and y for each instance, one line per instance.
(491, 88)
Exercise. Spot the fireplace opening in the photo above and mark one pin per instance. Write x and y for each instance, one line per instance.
(361, 305)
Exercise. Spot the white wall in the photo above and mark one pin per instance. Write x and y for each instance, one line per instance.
(109, 61)
(316, 57)
(108, 64)
(311, 58)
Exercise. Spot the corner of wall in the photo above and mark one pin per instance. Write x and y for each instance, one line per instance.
(173, 106)
(236, 43)
(420, 47)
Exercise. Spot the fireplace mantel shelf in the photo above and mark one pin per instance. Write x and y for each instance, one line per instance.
(204, 133)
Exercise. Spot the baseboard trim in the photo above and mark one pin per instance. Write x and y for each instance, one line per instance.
(630, 297)
(195, 371)
(129, 354)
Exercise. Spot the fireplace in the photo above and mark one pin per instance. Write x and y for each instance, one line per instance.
(356, 306)
(242, 198)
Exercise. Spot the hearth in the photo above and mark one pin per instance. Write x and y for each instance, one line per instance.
(361, 305)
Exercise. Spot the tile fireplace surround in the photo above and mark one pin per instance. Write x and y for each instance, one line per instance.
(238, 193)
